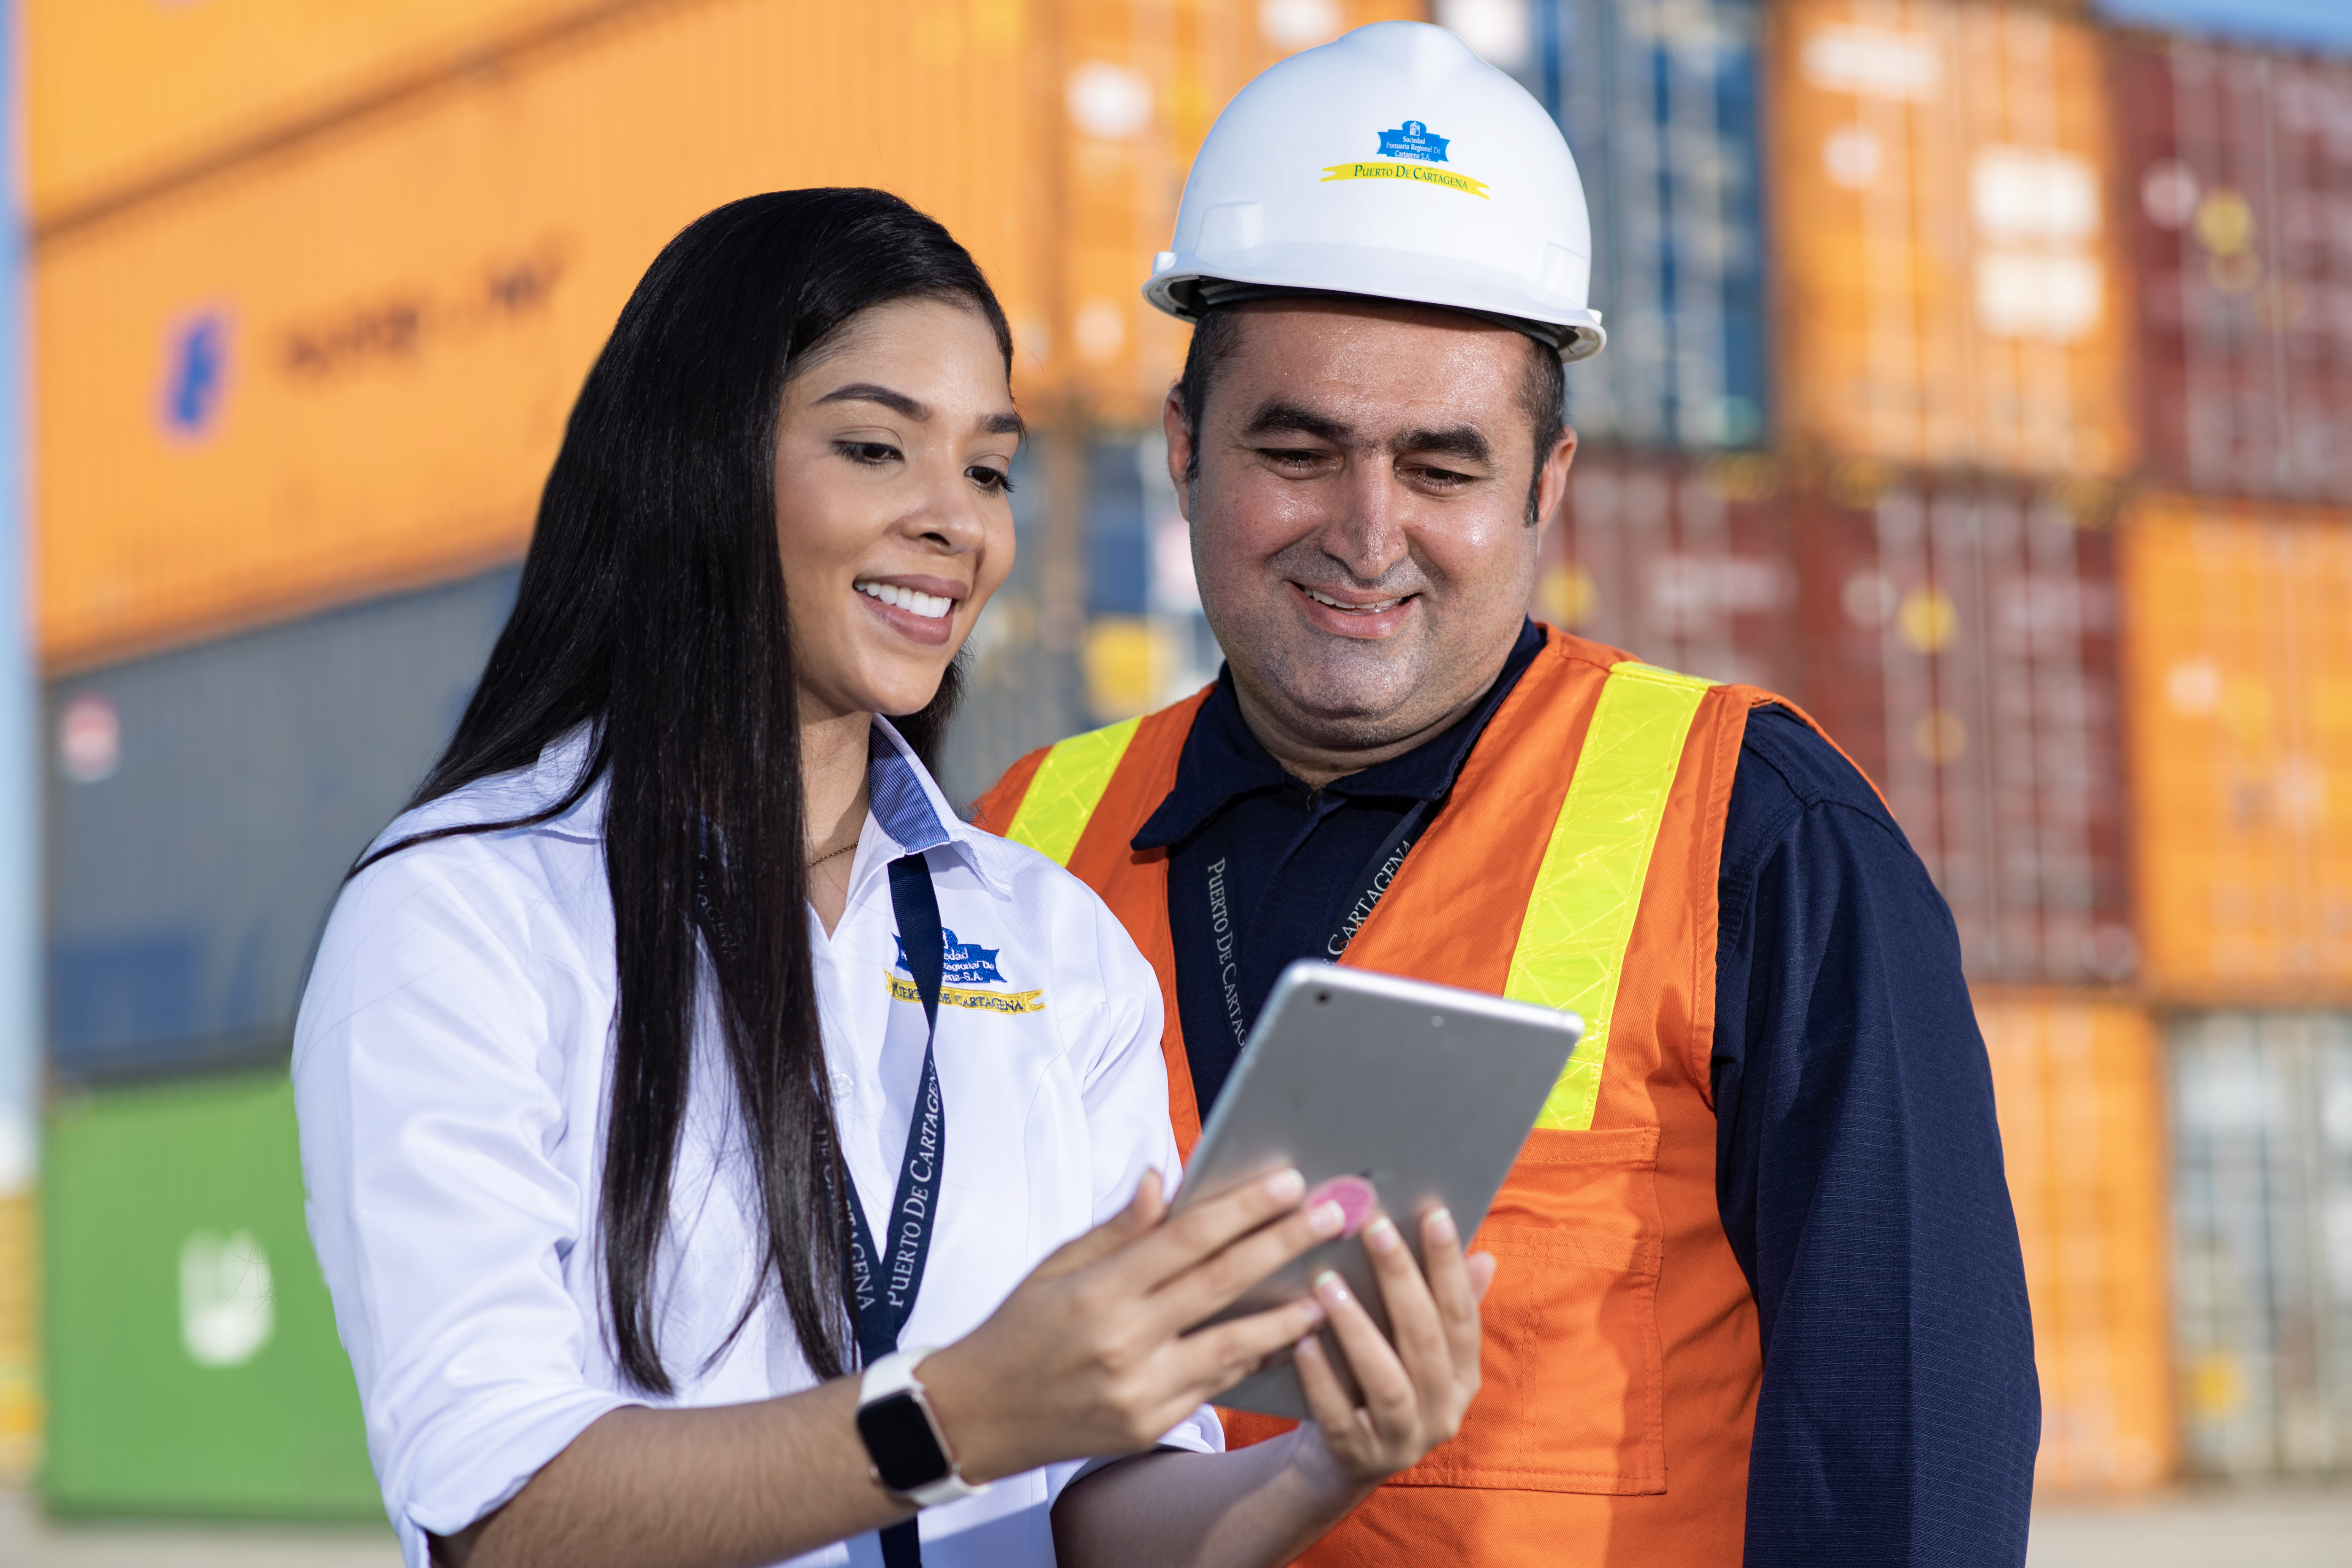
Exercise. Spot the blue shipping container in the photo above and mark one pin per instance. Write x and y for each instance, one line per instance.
(204, 804)
(1658, 99)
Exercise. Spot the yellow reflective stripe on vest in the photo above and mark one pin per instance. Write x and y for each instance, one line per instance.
(1571, 950)
(1069, 784)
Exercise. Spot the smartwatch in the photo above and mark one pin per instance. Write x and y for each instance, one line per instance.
(910, 1453)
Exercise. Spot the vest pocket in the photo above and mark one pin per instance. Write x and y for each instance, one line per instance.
(1572, 1385)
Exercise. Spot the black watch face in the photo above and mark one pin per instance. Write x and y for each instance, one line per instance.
(898, 1435)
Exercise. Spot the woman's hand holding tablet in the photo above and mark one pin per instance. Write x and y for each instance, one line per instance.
(1091, 1354)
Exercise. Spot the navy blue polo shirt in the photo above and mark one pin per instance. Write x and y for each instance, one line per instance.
(1858, 1163)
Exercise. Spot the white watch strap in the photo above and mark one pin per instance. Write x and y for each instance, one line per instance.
(895, 1374)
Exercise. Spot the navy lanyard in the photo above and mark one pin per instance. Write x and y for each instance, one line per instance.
(1370, 885)
(882, 1287)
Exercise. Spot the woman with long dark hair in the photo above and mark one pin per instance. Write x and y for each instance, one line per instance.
(678, 1069)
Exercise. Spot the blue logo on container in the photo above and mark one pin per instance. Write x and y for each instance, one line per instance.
(1412, 139)
(195, 373)
(968, 963)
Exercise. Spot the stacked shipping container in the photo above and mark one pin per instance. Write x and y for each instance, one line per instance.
(2241, 166)
(193, 1362)
(207, 802)
(385, 325)
(2263, 1186)
(1689, 566)
(1658, 99)
(1961, 642)
(2236, 172)
(2239, 674)
(128, 97)
(1948, 251)
(2080, 1084)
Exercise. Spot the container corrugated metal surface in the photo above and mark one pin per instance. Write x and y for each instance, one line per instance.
(1948, 268)
(205, 803)
(119, 92)
(2240, 165)
(2262, 1190)
(1658, 99)
(345, 366)
(193, 1362)
(1960, 643)
(2079, 1082)
(1140, 83)
(2239, 672)
(1687, 564)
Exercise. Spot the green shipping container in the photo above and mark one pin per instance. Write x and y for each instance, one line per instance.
(193, 1362)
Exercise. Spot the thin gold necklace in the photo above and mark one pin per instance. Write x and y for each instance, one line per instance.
(832, 854)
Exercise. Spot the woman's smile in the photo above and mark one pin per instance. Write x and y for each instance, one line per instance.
(916, 608)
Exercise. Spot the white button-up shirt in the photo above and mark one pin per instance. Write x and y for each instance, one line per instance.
(450, 1074)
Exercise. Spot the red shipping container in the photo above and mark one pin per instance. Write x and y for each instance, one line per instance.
(1687, 565)
(1959, 641)
(2239, 168)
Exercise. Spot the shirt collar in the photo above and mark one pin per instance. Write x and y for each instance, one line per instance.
(904, 799)
(1223, 761)
(907, 805)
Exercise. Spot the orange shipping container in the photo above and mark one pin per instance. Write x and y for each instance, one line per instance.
(123, 93)
(1142, 81)
(345, 366)
(2238, 675)
(2079, 1084)
(20, 1398)
(1949, 288)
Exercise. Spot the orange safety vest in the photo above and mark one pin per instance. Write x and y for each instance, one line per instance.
(1575, 864)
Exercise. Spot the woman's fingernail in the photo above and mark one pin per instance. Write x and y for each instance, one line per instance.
(1284, 1186)
(1355, 1196)
(1327, 1219)
(1315, 1316)
(1440, 1224)
(1331, 1287)
(1381, 1235)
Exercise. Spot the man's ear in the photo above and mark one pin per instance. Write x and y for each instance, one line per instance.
(1179, 432)
(1552, 485)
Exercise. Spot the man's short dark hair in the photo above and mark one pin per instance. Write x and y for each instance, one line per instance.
(1217, 338)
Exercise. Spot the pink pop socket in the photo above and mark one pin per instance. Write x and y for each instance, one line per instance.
(1355, 1197)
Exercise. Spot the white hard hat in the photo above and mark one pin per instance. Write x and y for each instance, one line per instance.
(1392, 163)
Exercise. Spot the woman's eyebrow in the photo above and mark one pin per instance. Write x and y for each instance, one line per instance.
(866, 392)
(1005, 424)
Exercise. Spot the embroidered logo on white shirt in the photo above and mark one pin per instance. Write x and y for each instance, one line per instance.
(968, 966)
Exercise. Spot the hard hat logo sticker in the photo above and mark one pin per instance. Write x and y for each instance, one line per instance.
(1414, 172)
(1412, 139)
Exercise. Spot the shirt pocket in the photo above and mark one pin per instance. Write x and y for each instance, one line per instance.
(1572, 1383)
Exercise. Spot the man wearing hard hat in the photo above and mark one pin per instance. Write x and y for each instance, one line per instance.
(1759, 1295)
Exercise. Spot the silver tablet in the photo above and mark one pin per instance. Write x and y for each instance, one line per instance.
(1424, 1091)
